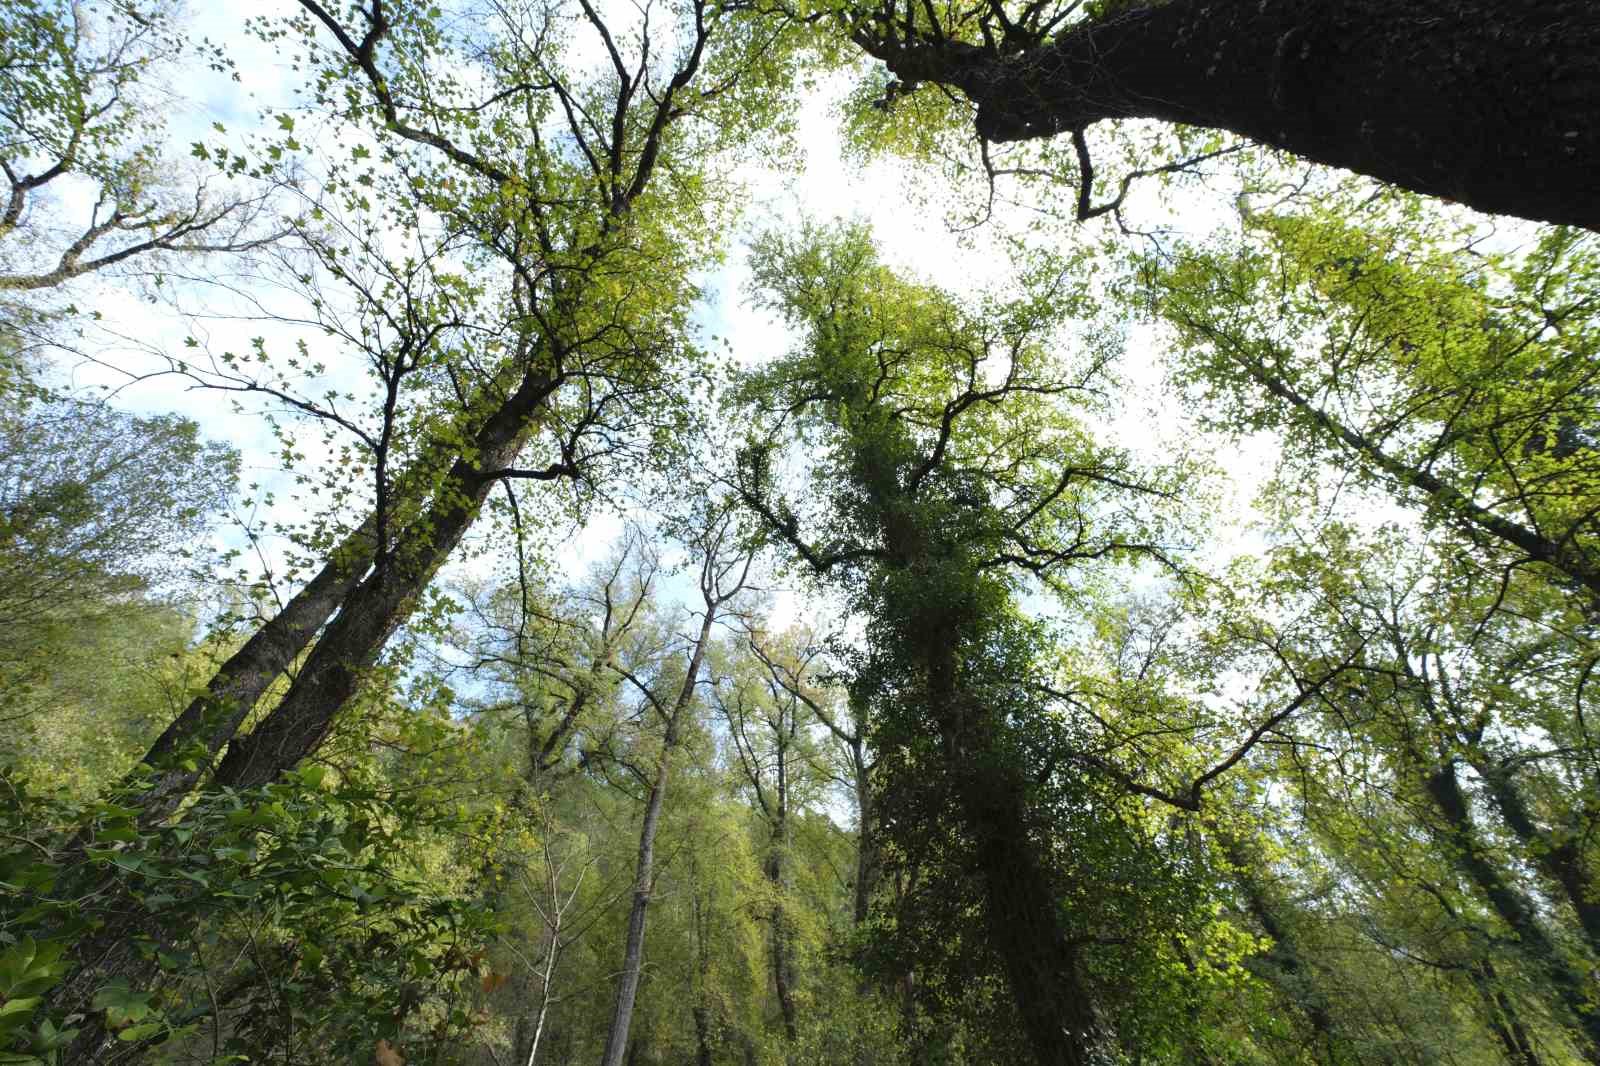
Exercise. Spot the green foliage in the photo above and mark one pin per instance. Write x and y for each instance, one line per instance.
(1057, 786)
(302, 918)
(1415, 357)
(28, 969)
(98, 503)
(104, 515)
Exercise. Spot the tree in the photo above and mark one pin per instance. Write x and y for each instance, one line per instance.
(793, 673)
(1422, 692)
(1117, 796)
(769, 727)
(77, 101)
(723, 568)
(1475, 102)
(949, 464)
(1381, 948)
(589, 359)
(1462, 382)
(594, 265)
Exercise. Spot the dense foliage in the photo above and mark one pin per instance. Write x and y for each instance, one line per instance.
(498, 666)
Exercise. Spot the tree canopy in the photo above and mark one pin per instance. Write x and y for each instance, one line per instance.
(496, 567)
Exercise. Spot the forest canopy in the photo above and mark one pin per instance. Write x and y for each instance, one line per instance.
(770, 532)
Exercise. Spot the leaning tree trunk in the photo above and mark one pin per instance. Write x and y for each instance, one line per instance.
(212, 718)
(1492, 103)
(368, 614)
(382, 601)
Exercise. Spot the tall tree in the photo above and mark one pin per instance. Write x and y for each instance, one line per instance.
(723, 570)
(950, 463)
(589, 359)
(590, 332)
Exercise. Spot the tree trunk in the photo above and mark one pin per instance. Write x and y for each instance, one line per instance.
(1041, 965)
(1504, 1018)
(702, 1036)
(213, 718)
(1020, 903)
(1284, 962)
(1491, 103)
(701, 1011)
(1558, 858)
(866, 849)
(782, 962)
(644, 873)
(376, 607)
(368, 615)
(782, 965)
(1519, 915)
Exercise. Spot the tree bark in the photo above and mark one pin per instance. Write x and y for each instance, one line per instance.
(701, 1011)
(1041, 964)
(782, 963)
(212, 719)
(1504, 1018)
(1020, 902)
(866, 847)
(1493, 104)
(369, 611)
(702, 1036)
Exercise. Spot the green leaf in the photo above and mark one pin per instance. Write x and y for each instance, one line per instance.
(139, 1032)
(19, 1006)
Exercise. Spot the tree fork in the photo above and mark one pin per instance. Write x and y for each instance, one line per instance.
(212, 719)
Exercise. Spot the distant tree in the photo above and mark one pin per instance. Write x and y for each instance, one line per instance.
(96, 504)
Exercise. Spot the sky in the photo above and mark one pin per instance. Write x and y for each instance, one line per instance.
(911, 237)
